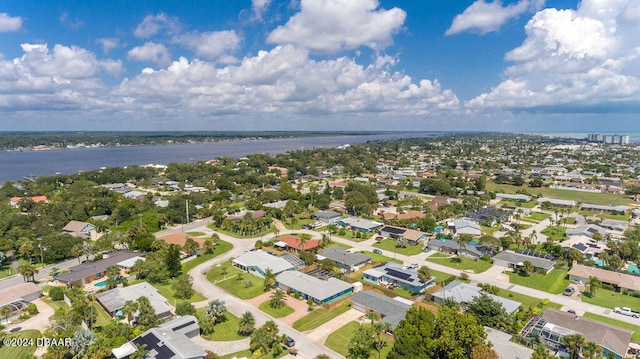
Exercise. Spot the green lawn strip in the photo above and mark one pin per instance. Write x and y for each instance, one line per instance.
(166, 291)
(340, 339)
(538, 216)
(247, 354)
(195, 234)
(478, 266)
(238, 235)
(19, 351)
(442, 276)
(390, 245)
(352, 235)
(554, 282)
(103, 318)
(298, 223)
(488, 230)
(635, 337)
(555, 232)
(380, 258)
(525, 299)
(275, 312)
(6, 270)
(56, 304)
(319, 316)
(338, 244)
(610, 299)
(528, 220)
(232, 285)
(579, 196)
(225, 331)
(221, 248)
(619, 217)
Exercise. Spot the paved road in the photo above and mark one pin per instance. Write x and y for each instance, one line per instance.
(43, 273)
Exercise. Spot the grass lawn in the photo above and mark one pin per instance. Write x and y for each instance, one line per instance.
(554, 282)
(526, 300)
(166, 291)
(488, 230)
(555, 232)
(275, 312)
(442, 276)
(537, 216)
(103, 317)
(195, 234)
(352, 235)
(247, 354)
(379, 258)
(299, 222)
(338, 244)
(319, 316)
(6, 270)
(224, 331)
(610, 299)
(529, 204)
(584, 197)
(619, 217)
(221, 248)
(238, 235)
(478, 266)
(21, 351)
(234, 286)
(56, 305)
(339, 341)
(635, 337)
(390, 245)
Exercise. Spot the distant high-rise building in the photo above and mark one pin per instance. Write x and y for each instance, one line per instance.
(612, 139)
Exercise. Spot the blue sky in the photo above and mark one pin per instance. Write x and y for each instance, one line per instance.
(511, 65)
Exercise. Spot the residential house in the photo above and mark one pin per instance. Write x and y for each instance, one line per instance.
(557, 202)
(171, 339)
(587, 230)
(327, 217)
(555, 324)
(257, 263)
(452, 246)
(180, 239)
(397, 275)
(360, 224)
(13, 202)
(88, 272)
(79, 229)
(276, 205)
(514, 197)
(465, 226)
(543, 263)
(589, 247)
(318, 290)
(18, 297)
(344, 259)
(488, 215)
(408, 215)
(614, 225)
(390, 310)
(113, 300)
(437, 202)
(294, 244)
(581, 273)
(603, 208)
(464, 294)
(414, 237)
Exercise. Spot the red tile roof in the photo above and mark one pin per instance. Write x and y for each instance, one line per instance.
(294, 242)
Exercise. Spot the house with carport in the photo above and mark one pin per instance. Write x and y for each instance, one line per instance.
(321, 291)
(543, 263)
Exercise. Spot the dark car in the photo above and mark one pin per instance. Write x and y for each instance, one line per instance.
(571, 311)
(377, 251)
(15, 330)
(290, 342)
(569, 291)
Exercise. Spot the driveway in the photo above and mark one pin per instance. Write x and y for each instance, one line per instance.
(38, 322)
(321, 333)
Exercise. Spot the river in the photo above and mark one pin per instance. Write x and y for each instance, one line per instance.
(18, 165)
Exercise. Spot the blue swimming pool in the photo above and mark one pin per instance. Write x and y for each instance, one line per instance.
(598, 262)
(438, 229)
(633, 269)
(101, 284)
(473, 243)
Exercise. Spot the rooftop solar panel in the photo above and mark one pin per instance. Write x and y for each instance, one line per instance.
(397, 274)
(183, 325)
(393, 230)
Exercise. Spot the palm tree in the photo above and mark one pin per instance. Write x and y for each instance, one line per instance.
(209, 245)
(129, 308)
(247, 323)
(591, 350)
(28, 272)
(424, 274)
(277, 298)
(77, 251)
(574, 343)
(140, 352)
(593, 284)
(269, 279)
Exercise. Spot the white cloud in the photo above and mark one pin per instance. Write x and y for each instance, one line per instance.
(285, 80)
(150, 52)
(573, 59)
(73, 24)
(153, 24)
(259, 7)
(9, 23)
(484, 17)
(211, 45)
(108, 43)
(334, 25)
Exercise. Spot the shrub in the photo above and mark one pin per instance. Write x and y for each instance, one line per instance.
(456, 260)
(32, 309)
(486, 258)
(24, 316)
(56, 293)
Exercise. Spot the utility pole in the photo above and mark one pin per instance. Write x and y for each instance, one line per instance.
(187, 211)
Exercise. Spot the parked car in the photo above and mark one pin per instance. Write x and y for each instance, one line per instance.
(569, 291)
(15, 330)
(626, 311)
(377, 251)
(290, 342)
(413, 265)
(571, 311)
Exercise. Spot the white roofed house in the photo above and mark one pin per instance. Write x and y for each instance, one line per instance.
(257, 263)
(80, 229)
(465, 226)
(603, 208)
(557, 202)
(360, 224)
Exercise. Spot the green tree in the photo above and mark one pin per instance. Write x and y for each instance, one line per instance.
(269, 279)
(147, 315)
(379, 342)
(591, 350)
(207, 325)
(573, 343)
(172, 260)
(77, 251)
(362, 343)
(593, 283)
(182, 286)
(140, 352)
(277, 298)
(489, 312)
(185, 308)
(483, 351)
(216, 310)
(424, 274)
(190, 246)
(541, 352)
(28, 272)
(247, 323)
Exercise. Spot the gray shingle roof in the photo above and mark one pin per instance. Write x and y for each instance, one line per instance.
(314, 287)
(516, 258)
(115, 298)
(465, 293)
(340, 255)
(90, 268)
(392, 310)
